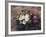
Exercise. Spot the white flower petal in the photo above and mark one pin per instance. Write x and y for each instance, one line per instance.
(24, 22)
(23, 17)
(26, 17)
(20, 18)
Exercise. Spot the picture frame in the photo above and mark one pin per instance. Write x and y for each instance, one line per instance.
(9, 5)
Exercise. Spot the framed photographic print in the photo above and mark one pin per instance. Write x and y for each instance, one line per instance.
(24, 18)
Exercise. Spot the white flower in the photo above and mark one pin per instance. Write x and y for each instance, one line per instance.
(24, 22)
(26, 17)
(21, 17)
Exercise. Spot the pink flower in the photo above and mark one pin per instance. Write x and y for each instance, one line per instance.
(34, 10)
